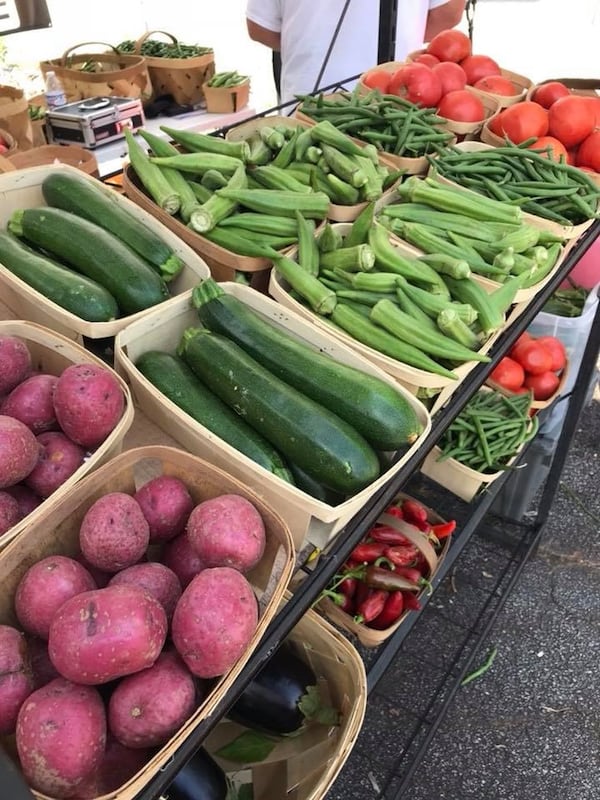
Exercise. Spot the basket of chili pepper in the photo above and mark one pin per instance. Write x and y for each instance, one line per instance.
(388, 573)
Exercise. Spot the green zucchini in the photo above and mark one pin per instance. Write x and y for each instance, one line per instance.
(373, 407)
(172, 376)
(307, 434)
(80, 295)
(93, 201)
(314, 488)
(93, 251)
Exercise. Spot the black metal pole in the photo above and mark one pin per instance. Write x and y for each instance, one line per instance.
(386, 49)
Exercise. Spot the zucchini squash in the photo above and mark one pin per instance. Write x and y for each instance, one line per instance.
(305, 433)
(172, 376)
(373, 407)
(74, 292)
(98, 254)
(93, 201)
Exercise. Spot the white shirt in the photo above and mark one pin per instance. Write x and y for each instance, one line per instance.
(307, 27)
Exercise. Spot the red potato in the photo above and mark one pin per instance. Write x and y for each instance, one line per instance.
(44, 588)
(118, 765)
(166, 504)
(61, 735)
(19, 451)
(42, 668)
(9, 512)
(16, 677)
(114, 533)
(182, 559)
(227, 531)
(88, 402)
(26, 498)
(32, 402)
(147, 708)
(59, 458)
(98, 636)
(16, 362)
(156, 579)
(214, 621)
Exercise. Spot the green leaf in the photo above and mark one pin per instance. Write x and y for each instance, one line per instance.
(311, 705)
(249, 746)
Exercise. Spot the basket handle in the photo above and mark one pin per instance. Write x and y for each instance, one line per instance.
(416, 537)
(68, 52)
(138, 45)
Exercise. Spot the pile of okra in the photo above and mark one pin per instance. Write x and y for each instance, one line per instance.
(489, 431)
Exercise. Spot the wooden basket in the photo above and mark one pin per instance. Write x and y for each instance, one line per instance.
(115, 74)
(226, 99)
(304, 766)
(521, 84)
(182, 78)
(57, 532)
(22, 189)
(52, 154)
(370, 637)
(308, 518)
(9, 140)
(52, 353)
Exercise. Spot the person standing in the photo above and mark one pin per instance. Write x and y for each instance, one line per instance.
(302, 31)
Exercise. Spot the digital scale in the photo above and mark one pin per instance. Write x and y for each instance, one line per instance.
(94, 121)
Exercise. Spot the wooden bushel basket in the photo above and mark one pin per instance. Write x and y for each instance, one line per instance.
(114, 75)
(182, 78)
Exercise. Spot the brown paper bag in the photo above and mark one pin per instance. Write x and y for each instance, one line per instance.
(14, 116)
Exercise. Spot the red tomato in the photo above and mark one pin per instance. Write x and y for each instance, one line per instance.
(461, 105)
(451, 75)
(533, 357)
(543, 385)
(508, 373)
(450, 45)
(495, 124)
(523, 339)
(426, 58)
(377, 79)
(557, 350)
(547, 93)
(496, 84)
(417, 83)
(594, 104)
(478, 66)
(571, 119)
(557, 148)
(588, 152)
(524, 120)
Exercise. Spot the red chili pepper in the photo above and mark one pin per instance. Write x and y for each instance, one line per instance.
(367, 552)
(411, 601)
(410, 573)
(390, 580)
(347, 604)
(414, 512)
(361, 593)
(348, 587)
(394, 605)
(395, 511)
(372, 606)
(384, 533)
(401, 555)
(443, 529)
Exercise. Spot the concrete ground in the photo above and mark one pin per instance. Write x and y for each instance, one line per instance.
(529, 726)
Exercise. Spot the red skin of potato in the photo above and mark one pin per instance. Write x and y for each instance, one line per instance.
(154, 578)
(9, 512)
(180, 556)
(119, 764)
(42, 668)
(166, 503)
(16, 677)
(45, 587)
(19, 451)
(16, 362)
(214, 621)
(147, 708)
(32, 401)
(59, 459)
(61, 735)
(227, 531)
(114, 533)
(98, 636)
(88, 402)
(26, 498)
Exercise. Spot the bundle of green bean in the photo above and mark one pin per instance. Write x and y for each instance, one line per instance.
(226, 80)
(531, 179)
(489, 431)
(158, 49)
(392, 124)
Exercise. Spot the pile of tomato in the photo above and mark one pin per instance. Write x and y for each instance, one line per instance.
(532, 364)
